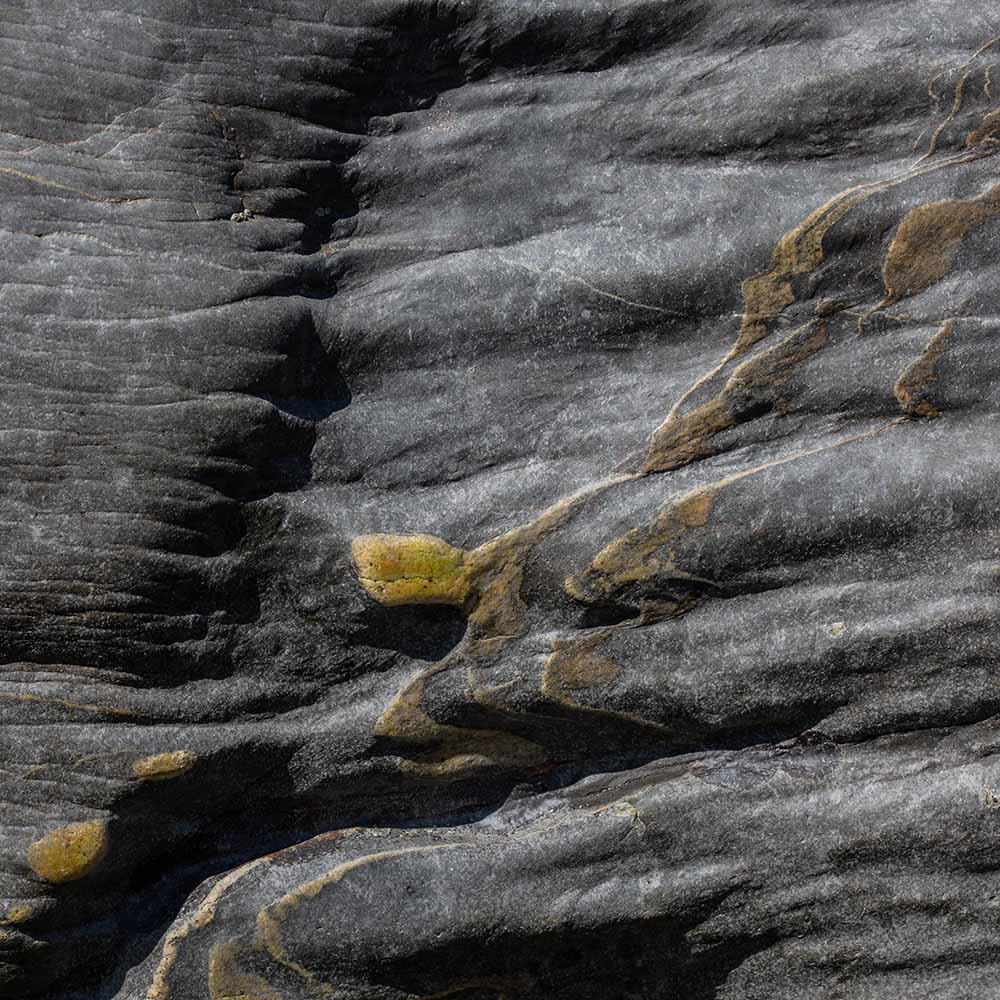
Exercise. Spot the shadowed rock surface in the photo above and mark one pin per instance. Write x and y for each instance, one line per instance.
(498, 499)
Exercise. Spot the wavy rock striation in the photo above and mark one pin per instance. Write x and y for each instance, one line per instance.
(498, 500)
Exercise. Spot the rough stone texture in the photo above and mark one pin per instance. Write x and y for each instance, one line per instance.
(499, 499)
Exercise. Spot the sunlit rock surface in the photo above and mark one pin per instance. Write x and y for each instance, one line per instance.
(499, 500)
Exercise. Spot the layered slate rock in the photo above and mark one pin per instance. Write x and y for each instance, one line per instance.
(498, 500)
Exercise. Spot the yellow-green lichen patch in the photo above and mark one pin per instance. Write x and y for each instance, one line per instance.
(70, 852)
(410, 569)
(163, 766)
(17, 913)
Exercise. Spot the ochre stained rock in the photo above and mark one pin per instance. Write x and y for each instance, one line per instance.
(798, 252)
(642, 553)
(162, 766)
(923, 250)
(576, 667)
(913, 386)
(449, 752)
(754, 386)
(227, 980)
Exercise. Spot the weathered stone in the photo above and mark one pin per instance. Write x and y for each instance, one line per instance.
(498, 500)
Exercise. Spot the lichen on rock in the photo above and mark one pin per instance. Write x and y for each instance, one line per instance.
(69, 852)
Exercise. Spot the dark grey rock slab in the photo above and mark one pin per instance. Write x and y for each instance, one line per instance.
(498, 499)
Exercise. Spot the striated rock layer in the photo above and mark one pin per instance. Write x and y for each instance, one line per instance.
(498, 500)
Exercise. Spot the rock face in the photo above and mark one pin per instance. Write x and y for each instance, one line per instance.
(499, 500)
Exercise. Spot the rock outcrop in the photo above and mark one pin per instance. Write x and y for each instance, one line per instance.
(498, 500)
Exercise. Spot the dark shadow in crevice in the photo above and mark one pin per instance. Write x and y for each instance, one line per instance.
(625, 959)
(321, 394)
(428, 632)
(268, 815)
(306, 382)
(603, 615)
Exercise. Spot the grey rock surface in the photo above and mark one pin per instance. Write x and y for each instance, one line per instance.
(498, 499)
